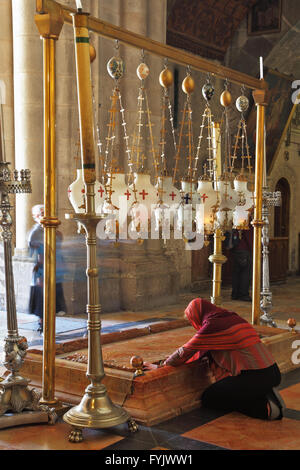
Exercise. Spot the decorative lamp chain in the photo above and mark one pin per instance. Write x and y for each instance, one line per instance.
(137, 136)
(150, 125)
(190, 144)
(211, 159)
(171, 119)
(163, 135)
(110, 142)
(126, 139)
(228, 161)
(179, 146)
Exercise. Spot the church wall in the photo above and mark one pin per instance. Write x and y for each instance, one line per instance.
(290, 170)
(279, 51)
(6, 78)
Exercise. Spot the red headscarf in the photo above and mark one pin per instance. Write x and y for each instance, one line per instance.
(217, 328)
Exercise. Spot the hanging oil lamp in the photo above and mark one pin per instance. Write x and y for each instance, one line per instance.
(227, 194)
(208, 196)
(168, 195)
(242, 212)
(189, 197)
(145, 192)
(116, 188)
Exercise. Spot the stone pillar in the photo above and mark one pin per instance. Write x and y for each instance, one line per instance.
(28, 112)
(148, 275)
(67, 115)
(67, 124)
(7, 97)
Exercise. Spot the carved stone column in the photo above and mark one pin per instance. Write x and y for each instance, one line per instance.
(28, 112)
(6, 78)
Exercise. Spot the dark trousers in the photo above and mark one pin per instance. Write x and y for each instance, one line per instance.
(245, 393)
(241, 273)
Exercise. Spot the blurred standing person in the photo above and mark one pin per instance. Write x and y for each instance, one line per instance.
(36, 250)
(242, 249)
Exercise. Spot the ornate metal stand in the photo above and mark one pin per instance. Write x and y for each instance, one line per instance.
(15, 396)
(95, 410)
(270, 199)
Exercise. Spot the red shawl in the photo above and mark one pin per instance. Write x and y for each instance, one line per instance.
(217, 329)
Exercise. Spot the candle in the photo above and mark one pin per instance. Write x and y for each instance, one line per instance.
(261, 68)
(79, 4)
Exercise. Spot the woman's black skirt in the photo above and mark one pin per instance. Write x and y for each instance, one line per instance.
(36, 300)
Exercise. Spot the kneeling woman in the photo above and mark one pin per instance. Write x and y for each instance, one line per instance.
(245, 370)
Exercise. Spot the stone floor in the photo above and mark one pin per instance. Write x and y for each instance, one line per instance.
(200, 429)
(197, 430)
(286, 304)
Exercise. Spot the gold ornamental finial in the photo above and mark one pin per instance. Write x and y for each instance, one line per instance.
(166, 78)
(292, 323)
(93, 53)
(137, 363)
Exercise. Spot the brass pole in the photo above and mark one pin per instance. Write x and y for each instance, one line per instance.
(49, 29)
(136, 40)
(217, 259)
(95, 409)
(260, 98)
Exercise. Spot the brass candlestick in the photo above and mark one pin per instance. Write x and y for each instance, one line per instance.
(95, 409)
(15, 396)
(260, 98)
(270, 199)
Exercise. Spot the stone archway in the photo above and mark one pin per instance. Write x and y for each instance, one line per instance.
(282, 212)
(283, 171)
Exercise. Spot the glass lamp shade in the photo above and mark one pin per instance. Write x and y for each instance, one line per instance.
(229, 200)
(169, 204)
(111, 225)
(170, 195)
(209, 199)
(241, 213)
(119, 188)
(186, 195)
(186, 199)
(162, 219)
(76, 192)
(139, 224)
(146, 193)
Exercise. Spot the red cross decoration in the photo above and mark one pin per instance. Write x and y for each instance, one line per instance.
(144, 194)
(101, 191)
(83, 191)
(203, 197)
(128, 194)
(69, 191)
(172, 195)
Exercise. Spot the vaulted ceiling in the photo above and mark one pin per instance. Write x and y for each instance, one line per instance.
(205, 27)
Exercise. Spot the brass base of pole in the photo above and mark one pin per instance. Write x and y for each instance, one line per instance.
(96, 411)
(59, 407)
